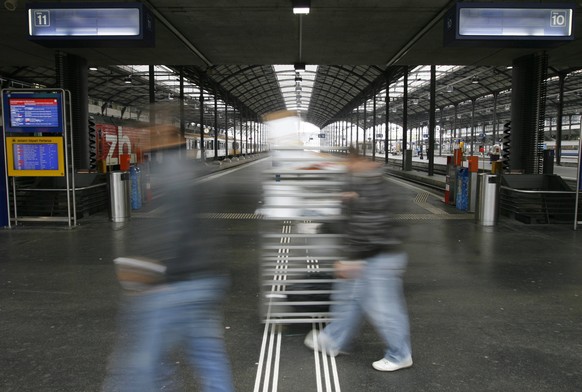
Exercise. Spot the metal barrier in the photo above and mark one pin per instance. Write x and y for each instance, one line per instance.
(536, 199)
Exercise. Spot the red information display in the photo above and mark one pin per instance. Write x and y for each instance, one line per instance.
(30, 111)
(34, 112)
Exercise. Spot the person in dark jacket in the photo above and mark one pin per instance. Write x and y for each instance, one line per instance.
(176, 285)
(369, 284)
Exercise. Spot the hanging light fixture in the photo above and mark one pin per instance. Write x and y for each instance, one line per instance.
(301, 6)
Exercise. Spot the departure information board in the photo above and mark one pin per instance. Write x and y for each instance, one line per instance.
(509, 24)
(515, 22)
(84, 21)
(30, 111)
(91, 24)
(35, 156)
(34, 112)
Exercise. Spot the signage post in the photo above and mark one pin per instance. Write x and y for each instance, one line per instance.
(578, 185)
(35, 143)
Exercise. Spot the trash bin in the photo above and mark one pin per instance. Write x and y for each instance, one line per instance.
(487, 200)
(118, 184)
(548, 166)
(407, 160)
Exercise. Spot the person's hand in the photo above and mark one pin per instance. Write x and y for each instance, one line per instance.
(348, 269)
(349, 196)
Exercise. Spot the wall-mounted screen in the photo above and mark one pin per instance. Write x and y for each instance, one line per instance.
(32, 111)
(509, 24)
(35, 156)
(91, 24)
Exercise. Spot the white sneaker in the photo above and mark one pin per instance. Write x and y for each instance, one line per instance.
(385, 365)
(314, 337)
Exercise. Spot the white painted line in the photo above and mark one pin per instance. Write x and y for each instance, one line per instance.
(261, 359)
(214, 176)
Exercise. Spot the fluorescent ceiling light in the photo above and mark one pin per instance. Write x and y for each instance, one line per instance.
(301, 10)
(301, 6)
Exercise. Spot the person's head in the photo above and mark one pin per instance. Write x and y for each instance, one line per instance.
(358, 162)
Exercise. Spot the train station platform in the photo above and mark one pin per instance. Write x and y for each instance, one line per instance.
(491, 308)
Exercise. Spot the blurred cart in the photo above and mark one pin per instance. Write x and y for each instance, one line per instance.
(301, 235)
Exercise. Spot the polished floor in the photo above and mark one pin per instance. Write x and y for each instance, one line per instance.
(491, 308)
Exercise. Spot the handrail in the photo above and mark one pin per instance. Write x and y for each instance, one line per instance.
(536, 192)
(61, 189)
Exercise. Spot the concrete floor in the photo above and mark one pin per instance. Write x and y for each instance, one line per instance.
(491, 308)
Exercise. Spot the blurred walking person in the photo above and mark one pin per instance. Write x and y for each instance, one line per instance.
(175, 287)
(370, 283)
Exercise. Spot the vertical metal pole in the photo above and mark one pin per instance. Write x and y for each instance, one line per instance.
(431, 121)
(387, 131)
(215, 125)
(560, 114)
(352, 131)
(455, 123)
(233, 114)
(202, 146)
(442, 128)
(405, 116)
(226, 128)
(152, 93)
(247, 137)
(472, 125)
(374, 129)
(365, 125)
(358, 128)
(182, 102)
(495, 120)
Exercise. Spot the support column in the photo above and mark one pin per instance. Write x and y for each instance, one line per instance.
(71, 75)
(387, 134)
(226, 127)
(405, 117)
(431, 121)
(374, 129)
(201, 99)
(528, 99)
(215, 126)
(560, 114)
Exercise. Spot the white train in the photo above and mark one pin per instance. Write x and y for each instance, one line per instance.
(194, 147)
(570, 148)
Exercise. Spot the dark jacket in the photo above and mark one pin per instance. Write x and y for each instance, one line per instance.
(178, 232)
(370, 227)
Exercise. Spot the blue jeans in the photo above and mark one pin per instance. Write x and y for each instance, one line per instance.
(182, 315)
(377, 293)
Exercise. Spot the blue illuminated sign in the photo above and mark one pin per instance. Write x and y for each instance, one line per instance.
(36, 156)
(29, 111)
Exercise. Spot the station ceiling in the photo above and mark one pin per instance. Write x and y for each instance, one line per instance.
(233, 43)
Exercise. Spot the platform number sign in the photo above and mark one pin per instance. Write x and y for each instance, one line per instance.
(42, 18)
(558, 18)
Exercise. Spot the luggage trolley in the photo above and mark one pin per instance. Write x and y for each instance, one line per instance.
(301, 235)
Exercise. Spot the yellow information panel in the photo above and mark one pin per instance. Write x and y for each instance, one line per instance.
(30, 156)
